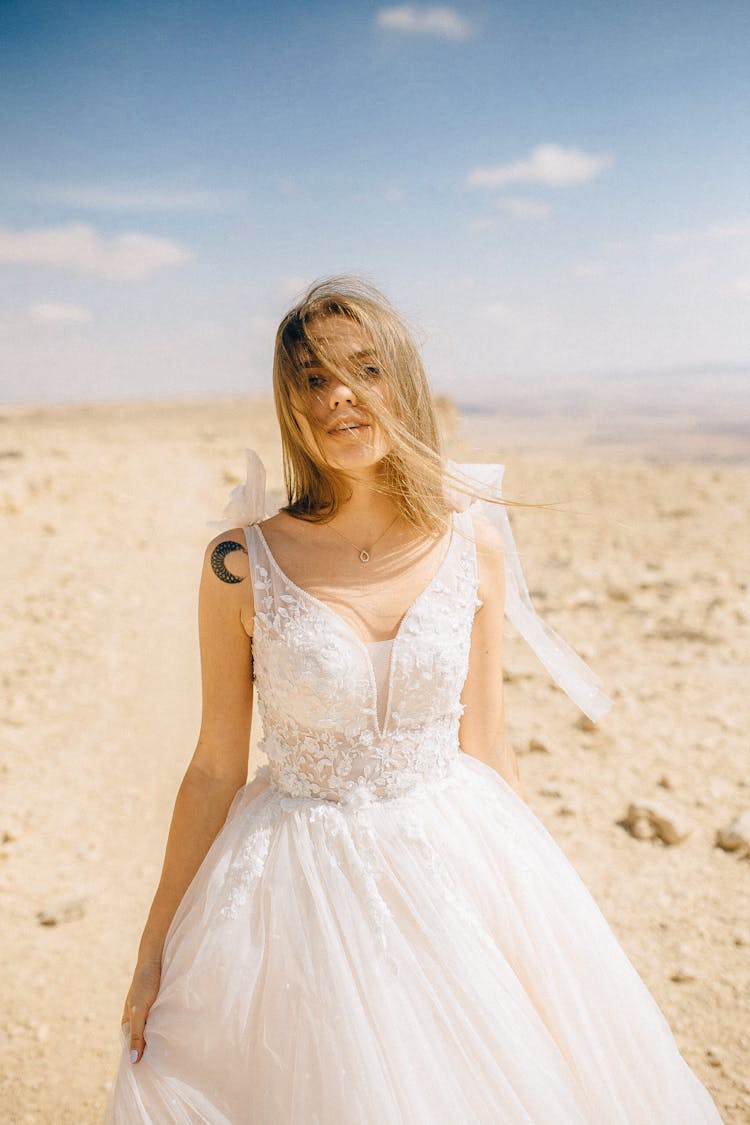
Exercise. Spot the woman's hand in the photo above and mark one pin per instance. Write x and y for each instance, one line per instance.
(143, 991)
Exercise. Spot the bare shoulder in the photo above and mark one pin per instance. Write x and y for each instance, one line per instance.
(488, 539)
(285, 528)
(226, 593)
(490, 559)
(227, 559)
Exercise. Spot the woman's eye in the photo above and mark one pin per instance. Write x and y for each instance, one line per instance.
(372, 371)
(315, 381)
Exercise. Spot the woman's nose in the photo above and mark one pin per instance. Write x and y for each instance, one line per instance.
(341, 393)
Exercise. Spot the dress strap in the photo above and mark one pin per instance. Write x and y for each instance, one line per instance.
(579, 682)
(246, 506)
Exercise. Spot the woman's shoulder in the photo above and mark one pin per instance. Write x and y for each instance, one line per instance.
(488, 539)
(490, 558)
(226, 557)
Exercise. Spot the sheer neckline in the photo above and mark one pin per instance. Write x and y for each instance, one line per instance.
(451, 538)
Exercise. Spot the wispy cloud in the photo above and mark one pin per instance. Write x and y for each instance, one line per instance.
(548, 164)
(589, 269)
(739, 229)
(100, 197)
(291, 287)
(120, 257)
(731, 231)
(500, 313)
(58, 314)
(525, 208)
(438, 20)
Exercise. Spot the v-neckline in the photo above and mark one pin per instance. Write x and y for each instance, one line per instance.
(353, 632)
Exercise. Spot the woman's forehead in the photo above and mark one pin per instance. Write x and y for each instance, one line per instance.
(338, 336)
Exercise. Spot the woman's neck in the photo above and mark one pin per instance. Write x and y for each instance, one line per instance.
(365, 510)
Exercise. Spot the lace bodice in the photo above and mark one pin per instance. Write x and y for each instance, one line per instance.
(317, 689)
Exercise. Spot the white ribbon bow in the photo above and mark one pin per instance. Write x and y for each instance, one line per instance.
(247, 502)
(564, 665)
(246, 506)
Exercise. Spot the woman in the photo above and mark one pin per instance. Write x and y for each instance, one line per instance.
(376, 930)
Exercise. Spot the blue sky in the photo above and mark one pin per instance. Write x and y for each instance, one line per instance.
(545, 189)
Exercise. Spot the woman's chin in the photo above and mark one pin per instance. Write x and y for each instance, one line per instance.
(356, 460)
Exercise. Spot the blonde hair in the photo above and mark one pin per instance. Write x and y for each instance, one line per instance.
(413, 472)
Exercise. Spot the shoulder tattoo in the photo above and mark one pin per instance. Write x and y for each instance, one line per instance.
(219, 553)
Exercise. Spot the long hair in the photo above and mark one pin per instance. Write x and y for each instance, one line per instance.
(413, 471)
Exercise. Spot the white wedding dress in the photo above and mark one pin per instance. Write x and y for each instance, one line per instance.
(386, 934)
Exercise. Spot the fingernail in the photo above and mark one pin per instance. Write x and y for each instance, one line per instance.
(134, 1056)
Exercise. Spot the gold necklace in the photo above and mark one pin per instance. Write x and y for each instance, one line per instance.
(364, 556)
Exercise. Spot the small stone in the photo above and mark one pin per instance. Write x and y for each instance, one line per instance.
(536, 746)
(70, 911)
(714, 1056)
(618, 593)
(583, 722)
(648, 819)
(568, 810)
(735, 837)
(664, 782)
(549, 791)
(682, 974)
(582, 599)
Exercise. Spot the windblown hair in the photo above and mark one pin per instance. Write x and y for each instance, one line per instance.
(414, 471)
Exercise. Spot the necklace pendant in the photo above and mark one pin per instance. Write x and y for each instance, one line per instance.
(364, 556)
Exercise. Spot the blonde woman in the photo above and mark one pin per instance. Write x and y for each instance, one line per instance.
(376, 930)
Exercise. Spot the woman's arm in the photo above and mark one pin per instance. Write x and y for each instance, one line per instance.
(218, 767)
(482, 730)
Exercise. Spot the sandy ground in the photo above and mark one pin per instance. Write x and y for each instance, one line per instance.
(644, 571)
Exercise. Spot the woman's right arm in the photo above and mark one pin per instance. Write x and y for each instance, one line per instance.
(218, 767)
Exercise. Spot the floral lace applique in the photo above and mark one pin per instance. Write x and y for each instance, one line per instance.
(328, 758)
(316, 687)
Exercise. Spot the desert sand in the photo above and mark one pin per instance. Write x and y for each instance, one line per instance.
(643, 569)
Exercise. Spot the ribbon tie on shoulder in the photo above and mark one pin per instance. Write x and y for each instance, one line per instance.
(247, 502)
(564, 665)
(247, 505)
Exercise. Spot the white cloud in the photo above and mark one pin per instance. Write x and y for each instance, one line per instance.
(291, 287)
(120, 257)
(740, 229)
(525, 208)
(481, 225)
(98, 197)
(673, 241)
(49, 312)
(444, 22)
(290, 186)
(589, 269)
(548, 164)
(715, 232)
(498, 312)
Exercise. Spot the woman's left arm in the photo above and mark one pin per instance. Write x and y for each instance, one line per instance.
(482, 729)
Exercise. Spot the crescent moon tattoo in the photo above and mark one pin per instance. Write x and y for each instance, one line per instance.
(219, 553)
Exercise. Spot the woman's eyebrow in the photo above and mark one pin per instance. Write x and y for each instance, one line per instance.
(366, 354)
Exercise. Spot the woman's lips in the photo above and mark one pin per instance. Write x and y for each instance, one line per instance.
(349, 429)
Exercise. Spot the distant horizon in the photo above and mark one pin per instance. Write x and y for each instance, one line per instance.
(602, 384)
(546, 192)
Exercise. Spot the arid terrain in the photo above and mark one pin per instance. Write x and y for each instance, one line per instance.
(643, 569)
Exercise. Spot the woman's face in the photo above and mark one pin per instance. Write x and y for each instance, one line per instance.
(350, 438)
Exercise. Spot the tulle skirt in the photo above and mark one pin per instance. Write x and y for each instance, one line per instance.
(428, 959)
